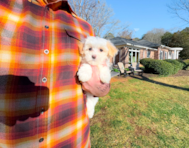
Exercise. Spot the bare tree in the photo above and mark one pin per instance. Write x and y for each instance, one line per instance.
(97, 13)
(126, 33)
(180, 8)
(154, 35)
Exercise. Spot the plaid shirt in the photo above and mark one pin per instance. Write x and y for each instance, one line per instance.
(41, 103)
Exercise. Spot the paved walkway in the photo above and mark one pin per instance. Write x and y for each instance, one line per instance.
(113, 73)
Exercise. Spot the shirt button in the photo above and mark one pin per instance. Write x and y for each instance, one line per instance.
(41, 139)
(42, 110)
(44, 80)
(47, 27)
(46, 51)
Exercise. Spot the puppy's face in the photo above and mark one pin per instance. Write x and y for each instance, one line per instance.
(97, 50)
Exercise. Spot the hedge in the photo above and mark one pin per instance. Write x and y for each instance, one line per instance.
(162, 67)
(183, 63)
(175, 62)
(146, 62)
(186, 64)
(177, 65)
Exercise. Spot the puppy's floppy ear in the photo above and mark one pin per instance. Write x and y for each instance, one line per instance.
(112, 50)
(80, 47)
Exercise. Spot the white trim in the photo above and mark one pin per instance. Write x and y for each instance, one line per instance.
(134, 50)
(135, 46)
(178, 54)
(176, 48)
(135, 56)
(163, 46)
(169, 56)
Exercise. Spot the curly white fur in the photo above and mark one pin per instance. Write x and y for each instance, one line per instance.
(95, 51)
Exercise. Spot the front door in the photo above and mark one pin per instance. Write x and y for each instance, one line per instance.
(134, 55)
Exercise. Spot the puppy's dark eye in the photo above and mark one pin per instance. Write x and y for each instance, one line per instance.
(101, 50)
(90, 49)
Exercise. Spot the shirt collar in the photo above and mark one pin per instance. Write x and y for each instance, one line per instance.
(44, 3)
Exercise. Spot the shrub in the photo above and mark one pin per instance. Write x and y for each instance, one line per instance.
(162, 67)
(146, 63)
(177, 65)
(182, 62)
(116, 70)
(175, 62)
(186, 64)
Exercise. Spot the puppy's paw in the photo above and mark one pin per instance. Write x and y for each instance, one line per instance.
(90, 113)
(105, 75)
(84, 72)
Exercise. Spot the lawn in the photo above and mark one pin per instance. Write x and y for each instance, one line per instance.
(143, 114)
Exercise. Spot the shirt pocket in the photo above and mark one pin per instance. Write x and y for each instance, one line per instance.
(76, 33)
(74, 38)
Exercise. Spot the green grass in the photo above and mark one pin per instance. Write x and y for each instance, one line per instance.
(142, 114)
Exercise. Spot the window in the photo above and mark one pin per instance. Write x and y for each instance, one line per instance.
(165, 55)
(161, 55)
(148, 54)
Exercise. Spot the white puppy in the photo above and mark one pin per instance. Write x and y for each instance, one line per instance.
(95, 51)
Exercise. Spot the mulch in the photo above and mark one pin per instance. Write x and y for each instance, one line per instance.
(181, 73)
(120, 79)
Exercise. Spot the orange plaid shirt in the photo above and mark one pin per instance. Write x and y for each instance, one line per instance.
(41, 103)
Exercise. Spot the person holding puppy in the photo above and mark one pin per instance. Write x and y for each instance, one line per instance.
(41, 103)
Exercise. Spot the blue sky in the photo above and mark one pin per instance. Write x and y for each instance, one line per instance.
(144, 15)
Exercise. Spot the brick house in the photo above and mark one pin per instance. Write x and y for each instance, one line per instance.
(133, 51)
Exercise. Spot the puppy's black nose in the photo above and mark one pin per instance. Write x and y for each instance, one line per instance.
(94, 56)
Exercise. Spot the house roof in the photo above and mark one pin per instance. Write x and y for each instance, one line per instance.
(122, 41)
(118, 41)
(148, 44)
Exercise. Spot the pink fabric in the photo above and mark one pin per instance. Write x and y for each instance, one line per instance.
(94, 85)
